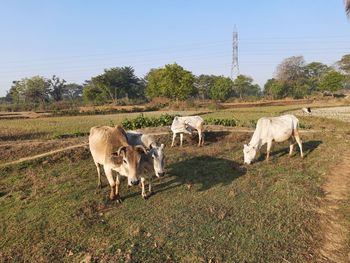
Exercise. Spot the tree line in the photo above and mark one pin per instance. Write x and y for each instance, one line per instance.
(293, 78)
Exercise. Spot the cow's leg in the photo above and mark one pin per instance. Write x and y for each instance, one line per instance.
(269, 145)
(143, 193)
(297, 138)
(181, 139)
(150, 185)
(173, 141)
(291, 146)
(202, 138)
(199, 137)
(99, 182)
(117, 184)
(111, 182)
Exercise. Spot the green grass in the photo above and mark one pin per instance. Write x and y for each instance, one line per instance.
(208, 207)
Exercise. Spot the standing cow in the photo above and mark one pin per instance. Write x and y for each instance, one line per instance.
(109, 147)
(278, 129)
(187, 125)
(153, 160)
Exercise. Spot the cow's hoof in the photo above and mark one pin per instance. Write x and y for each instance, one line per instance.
(118, 199)
(145, 197)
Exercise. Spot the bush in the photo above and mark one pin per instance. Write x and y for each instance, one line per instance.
(142, 121)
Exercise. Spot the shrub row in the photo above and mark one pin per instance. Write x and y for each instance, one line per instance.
(142, 121)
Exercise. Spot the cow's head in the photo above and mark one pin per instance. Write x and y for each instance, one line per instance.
(157, 154)
(127, 160)
(249, 153)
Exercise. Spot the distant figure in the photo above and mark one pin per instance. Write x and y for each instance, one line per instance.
(306, 110)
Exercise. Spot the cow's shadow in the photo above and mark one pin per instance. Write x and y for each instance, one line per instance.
(203, 172)
(209, 137)
(308, 148)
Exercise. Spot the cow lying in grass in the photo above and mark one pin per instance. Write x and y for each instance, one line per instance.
(109, 147)
(187, 125)
(278, 129)
(152, 160)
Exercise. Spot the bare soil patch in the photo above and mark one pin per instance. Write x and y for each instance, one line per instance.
(15, 150)
(332, 223)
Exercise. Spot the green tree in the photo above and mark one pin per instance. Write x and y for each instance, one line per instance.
(273, 89)
(172, 81)
(243, 86)
(32, 90)
(92, 93)
(313, 72)
(115, 83)
(221, 88)
(37, 90)
(16, 92)
(332, 81)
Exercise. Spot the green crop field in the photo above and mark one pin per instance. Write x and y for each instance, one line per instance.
(208, 208)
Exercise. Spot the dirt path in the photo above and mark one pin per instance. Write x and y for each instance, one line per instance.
(30, 158)
(333, 225)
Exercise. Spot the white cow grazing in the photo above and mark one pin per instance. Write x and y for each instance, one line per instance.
(278, 129)
(187, 125)
(109, 147)
(153, 159)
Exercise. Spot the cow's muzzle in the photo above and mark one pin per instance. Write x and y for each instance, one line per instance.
(161, 174)
(135, 182)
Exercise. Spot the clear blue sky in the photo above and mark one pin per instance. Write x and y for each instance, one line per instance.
(77, 39)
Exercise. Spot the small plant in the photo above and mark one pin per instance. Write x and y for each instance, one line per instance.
(224, 122)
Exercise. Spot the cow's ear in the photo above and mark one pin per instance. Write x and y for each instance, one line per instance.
(121, 150)
(245, 146)
(162, 146)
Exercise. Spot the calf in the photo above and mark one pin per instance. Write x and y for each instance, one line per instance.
(271, 129)
(109, 147)
(152, 160)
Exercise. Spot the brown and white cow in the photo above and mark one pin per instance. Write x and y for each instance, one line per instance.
(109, 147)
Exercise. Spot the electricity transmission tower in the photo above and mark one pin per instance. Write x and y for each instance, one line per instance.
(234, 67)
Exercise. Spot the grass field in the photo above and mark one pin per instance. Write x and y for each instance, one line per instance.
(209, 208)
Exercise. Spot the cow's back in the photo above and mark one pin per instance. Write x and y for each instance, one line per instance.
(137, 138)
(105, 140)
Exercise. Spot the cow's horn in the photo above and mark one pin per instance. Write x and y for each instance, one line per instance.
(142, 148)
